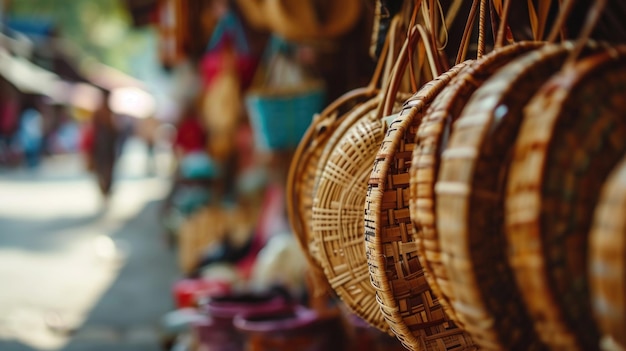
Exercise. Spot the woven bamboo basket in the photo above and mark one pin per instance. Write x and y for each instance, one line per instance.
(301, 177)
(337, 219)
(312, 154)
(472, 184)
(572, 135)
(607, 259)
(410, 307)
(339, 198)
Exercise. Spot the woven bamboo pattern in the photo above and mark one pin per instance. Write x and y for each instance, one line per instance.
(302, 172)
(406, 300)
(477, 159)
(607, 258)
(572, 135)
(430, 141)
(337, 219)
(313, 150)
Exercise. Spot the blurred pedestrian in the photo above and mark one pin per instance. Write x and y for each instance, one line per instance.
(29, 136)
(101, 146)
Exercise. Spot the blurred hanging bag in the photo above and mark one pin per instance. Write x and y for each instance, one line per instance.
(283, 99)
(228, 44)
(227, 68)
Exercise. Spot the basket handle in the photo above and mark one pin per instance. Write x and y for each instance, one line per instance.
(393, 84)
(499, 33)
(558, 28)
(538, 17)
(467, 32)
(439, 30)
(593, 16)
(383, 65)
(503, 24)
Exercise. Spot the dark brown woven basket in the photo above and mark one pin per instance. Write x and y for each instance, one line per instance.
(607, 259)
(430, 141)
(572, 135)
(471, 189)
(405, 298)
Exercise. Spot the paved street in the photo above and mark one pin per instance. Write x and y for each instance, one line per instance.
(76, 276)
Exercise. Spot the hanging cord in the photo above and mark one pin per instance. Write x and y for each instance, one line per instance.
(590, 24)
(544, 10)
(443, 33)
(437, 26)
(429, 52)
(467, 33)
(411, 48)
(481, 29)
(566, 8)
(503, 23)
(399, 67)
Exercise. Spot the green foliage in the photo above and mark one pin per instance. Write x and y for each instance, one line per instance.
(100, 28)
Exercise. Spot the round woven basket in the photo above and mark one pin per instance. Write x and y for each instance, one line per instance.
(321, 136)
(302, 172)
(572, 135)
(431, 139)
(472, 184)
(410, 307)
(607, 258)
(337, 218)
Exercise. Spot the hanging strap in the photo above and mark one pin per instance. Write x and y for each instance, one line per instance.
(229, 23)
(566, 8)
(399, 69)
(467, 32)
(538, 19)
(590, 24)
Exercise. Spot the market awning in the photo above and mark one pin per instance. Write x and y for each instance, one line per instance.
(26, 76)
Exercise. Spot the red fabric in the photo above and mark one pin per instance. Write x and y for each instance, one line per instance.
(86, 138)
(187, 291)
(213, 62)
(190, 135)
(8, 116)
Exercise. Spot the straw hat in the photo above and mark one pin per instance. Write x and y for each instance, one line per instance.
(302, 20)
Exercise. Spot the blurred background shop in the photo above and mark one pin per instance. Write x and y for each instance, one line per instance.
(129, 169)
(243, 175)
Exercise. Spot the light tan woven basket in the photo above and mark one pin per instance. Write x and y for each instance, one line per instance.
(312, 154)
(410, 307)
(339, 198)
(607, 259)
(303, 168)
(572, 135)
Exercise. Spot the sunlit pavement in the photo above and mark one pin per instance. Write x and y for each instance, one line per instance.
(75, 275)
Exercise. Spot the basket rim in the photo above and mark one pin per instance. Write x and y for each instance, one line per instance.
(377, 186)
(368, 119)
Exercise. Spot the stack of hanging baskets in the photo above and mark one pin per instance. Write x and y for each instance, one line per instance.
(483, 211)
